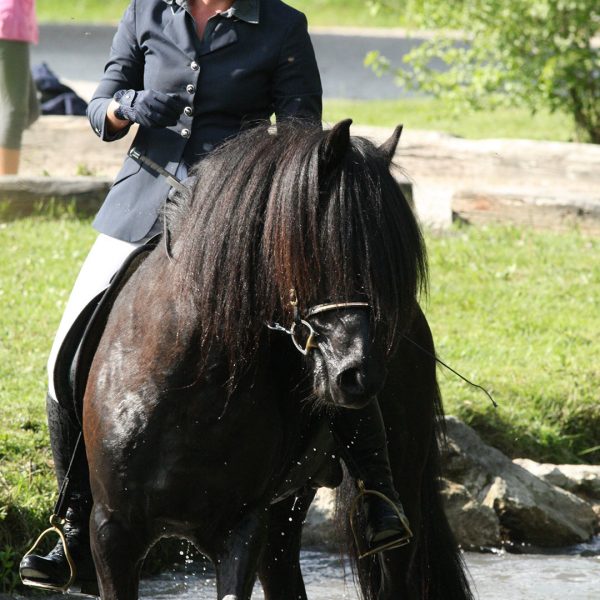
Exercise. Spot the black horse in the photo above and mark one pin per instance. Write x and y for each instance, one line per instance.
(202, 422)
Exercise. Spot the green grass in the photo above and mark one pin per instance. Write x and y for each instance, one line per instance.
(512, 309)
(40, 257)
(319, 12)
(428, 113)
(517, 312)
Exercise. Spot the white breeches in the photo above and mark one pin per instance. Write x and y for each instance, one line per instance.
(103, 261)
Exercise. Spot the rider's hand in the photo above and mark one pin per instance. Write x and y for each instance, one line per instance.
(148, 108)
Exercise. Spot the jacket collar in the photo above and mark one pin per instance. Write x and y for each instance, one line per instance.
(244, 10)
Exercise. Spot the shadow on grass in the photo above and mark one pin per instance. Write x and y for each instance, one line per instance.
(575, 443)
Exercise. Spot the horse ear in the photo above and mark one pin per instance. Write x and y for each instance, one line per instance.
(336, 146)
(389, 146)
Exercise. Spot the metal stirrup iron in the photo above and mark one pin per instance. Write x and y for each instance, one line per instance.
(57, 522)
(393, 544)
(56, 526)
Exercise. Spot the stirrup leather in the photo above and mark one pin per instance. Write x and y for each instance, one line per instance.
(56, 526)
(396, 543)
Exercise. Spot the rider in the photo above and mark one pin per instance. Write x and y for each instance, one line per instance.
(189, 73)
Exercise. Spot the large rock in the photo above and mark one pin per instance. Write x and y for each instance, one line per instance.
(529, 509)
(474, 525)
(319, 527)
(583, 480)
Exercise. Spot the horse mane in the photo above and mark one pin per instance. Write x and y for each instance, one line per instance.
(270, 213)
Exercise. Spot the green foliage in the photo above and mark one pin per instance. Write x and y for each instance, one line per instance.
(9, 578)
(529, 52)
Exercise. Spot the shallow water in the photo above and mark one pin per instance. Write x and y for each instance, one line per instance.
(498, 576)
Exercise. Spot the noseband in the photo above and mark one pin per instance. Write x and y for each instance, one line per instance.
(300, 322)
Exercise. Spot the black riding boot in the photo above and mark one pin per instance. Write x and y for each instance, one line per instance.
(52, 570)
(361, 435)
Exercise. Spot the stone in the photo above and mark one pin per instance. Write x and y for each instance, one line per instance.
(319, 528)
(21, 196)
(546, 184)
(475, 525)
(583, 480)
(529, 509)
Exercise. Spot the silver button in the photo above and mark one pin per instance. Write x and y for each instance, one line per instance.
(185, 133)
(188, 111)
(190, 89)
(195, 66)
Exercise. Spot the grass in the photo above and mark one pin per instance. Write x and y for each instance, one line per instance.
(40, 258)
(512, 309)
(516, 311)
(319, 12)
(429, 113)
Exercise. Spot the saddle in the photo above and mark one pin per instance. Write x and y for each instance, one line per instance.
(77, 352)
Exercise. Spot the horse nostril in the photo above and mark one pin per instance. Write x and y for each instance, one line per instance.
(352, 381)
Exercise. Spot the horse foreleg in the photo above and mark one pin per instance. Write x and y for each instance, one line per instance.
(118, 550)
(279, 566)
(236, 561)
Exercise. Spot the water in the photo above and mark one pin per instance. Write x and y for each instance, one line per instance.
(498, 576)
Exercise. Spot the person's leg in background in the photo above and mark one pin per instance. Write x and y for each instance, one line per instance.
(18, 102)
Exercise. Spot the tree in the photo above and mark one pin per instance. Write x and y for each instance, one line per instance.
(541, 53)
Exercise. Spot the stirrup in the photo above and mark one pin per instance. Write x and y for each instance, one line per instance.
(56, 526)
(403, 540)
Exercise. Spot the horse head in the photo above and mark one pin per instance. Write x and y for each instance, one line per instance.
(346, 341)
(317, 212)
(347, 367)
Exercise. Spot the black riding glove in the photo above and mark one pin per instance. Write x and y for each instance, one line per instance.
(148, 108)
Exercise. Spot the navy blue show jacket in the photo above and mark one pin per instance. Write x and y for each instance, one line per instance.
(254, 60)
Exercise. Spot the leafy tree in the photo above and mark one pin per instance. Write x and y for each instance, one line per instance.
(532, 52)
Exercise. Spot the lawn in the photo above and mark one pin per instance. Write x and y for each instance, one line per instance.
(512, 309)
(429, 113)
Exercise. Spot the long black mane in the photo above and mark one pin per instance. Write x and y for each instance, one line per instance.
(271, 213)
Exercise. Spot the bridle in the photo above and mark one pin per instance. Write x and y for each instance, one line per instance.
(302, 321)
(309, 344)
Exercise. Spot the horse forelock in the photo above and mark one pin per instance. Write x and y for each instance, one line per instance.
(268, 216)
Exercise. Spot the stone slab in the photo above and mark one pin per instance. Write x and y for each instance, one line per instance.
(545, 184)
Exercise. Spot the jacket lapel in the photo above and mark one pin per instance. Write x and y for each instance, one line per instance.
(177, 30)
(221, 36)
